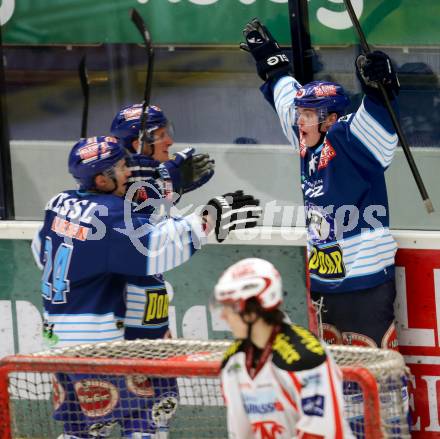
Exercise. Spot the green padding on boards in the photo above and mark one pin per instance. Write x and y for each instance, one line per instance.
(192, 283)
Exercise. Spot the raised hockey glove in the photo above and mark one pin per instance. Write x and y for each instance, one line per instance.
(271, 61)
(232, 211)
(377, 68)
(187, 171)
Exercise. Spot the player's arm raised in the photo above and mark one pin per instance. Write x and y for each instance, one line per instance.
(371, 124)
(273, 67)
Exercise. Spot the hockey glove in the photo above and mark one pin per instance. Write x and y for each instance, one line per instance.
(376, 68)
(187, 171)
(232, 211)
(271, 62)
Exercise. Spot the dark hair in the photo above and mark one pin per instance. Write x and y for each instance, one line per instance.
(273, 317)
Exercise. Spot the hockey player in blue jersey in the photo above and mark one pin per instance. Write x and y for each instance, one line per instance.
(343, 162)
(90, 242)
(164, 177)
(160, 178)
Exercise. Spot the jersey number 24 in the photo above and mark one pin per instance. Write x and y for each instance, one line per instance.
(58, 267)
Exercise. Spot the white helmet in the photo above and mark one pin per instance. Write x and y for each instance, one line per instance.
(251, 277)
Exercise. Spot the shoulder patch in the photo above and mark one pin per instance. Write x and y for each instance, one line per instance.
(295, 348)
(233, 349)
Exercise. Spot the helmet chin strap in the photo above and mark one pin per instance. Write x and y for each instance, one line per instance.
(249, 324)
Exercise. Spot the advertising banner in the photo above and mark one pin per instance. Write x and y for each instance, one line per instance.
(215, 22)
(418, 315)
(417, 308)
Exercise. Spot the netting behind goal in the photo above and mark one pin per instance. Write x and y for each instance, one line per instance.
(106, 374)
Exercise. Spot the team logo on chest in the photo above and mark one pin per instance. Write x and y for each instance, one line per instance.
(328, 153)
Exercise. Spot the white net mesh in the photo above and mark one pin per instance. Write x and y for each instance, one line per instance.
(390, 373)
(186, 403)
(149, 349)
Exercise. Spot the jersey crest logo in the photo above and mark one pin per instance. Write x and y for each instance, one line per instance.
(328, 153)
(267, 429)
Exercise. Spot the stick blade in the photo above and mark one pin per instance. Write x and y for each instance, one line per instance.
(139, 22)
(428, 205)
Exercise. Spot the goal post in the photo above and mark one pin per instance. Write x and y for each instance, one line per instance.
(374, 386)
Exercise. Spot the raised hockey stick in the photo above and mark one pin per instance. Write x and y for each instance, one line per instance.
(143, 30)
(84, 80)
(395, 120)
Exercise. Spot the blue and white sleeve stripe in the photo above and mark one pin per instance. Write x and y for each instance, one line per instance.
(368, 252)
(374, 136)
(284, 92)
(173, 242)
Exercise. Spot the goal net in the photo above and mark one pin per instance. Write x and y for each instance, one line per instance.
(171, 386)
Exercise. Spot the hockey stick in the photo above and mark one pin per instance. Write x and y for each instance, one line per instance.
(395, 120)
(143, 30)
(84, 80)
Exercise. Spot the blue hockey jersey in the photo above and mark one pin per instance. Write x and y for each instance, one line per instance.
(147, 313)
(349, 242)
(88, 246)
(147, 299)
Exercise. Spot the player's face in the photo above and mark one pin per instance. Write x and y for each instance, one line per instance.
(308, 125)
(162, 143)
(238, 327)
(121, 174)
